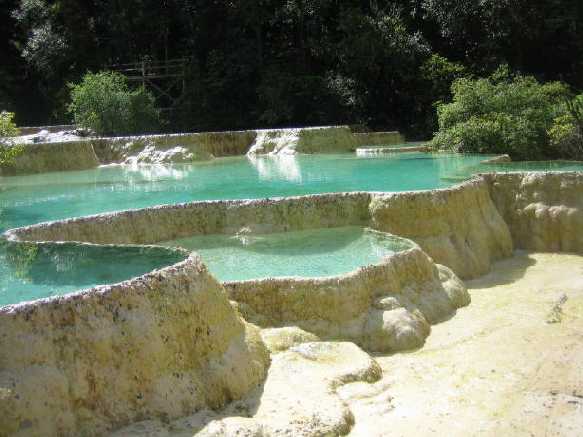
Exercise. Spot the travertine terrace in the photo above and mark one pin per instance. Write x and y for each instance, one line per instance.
(177, 350)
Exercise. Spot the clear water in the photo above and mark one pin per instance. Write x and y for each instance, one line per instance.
(30, 271)
(308, 253)
(32, 199)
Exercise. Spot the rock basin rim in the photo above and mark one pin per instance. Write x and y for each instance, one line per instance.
(23, 234)
(187, 254)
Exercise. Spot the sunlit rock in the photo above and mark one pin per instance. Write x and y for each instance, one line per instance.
(383, 308)
(162, 345)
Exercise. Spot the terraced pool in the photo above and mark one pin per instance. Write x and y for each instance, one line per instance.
(31, 271)
(308, 253)
(32, 199)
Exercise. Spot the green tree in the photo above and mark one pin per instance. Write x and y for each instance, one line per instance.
(8, 149)
(566, 133)
(543, 38)
(504, 113)
(382, 57)
(104, 103)
(295, 62)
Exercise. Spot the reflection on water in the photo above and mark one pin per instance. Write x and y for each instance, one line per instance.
(277, 167)
(31, 271)
(155, 172)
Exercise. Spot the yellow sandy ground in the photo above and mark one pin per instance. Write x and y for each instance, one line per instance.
(510, 364)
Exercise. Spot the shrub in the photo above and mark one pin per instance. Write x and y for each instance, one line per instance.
(7, 126)
(8, 150)
(104, 103)
(501, 114)
(566, 133)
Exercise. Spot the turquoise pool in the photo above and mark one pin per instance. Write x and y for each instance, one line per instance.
(32, 199)
(309, 253)
(32, 271)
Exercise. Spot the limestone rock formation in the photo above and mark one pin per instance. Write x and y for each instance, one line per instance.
(379, 138)
(41, 158)
(170, 222)
(150, 155)
(307, 140)
(299, 398)
(544, 211)
(382, 308)
(187, 147)
(459, 227)
(379, 150)
(162, 345)
(282, 339)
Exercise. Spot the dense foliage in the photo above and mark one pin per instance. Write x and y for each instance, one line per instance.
(255, 63)
(566, 134)
(7, 126)
(511, 114)
(103, 103)
(8, 150)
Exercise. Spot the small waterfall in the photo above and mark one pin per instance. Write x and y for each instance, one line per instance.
(275, 142)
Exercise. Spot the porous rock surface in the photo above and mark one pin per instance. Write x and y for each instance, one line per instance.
(382, 308)
(169, 343)
(379, 150)
(299, 398)
(162, 345)
(150, 155)
(40, 158)
(281, 339)
(61, 152)
(171, 222)
(171, 148)
(459, 227)
(544, 211)
(379, 138)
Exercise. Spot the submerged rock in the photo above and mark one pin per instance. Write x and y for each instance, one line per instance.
(497, 159)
